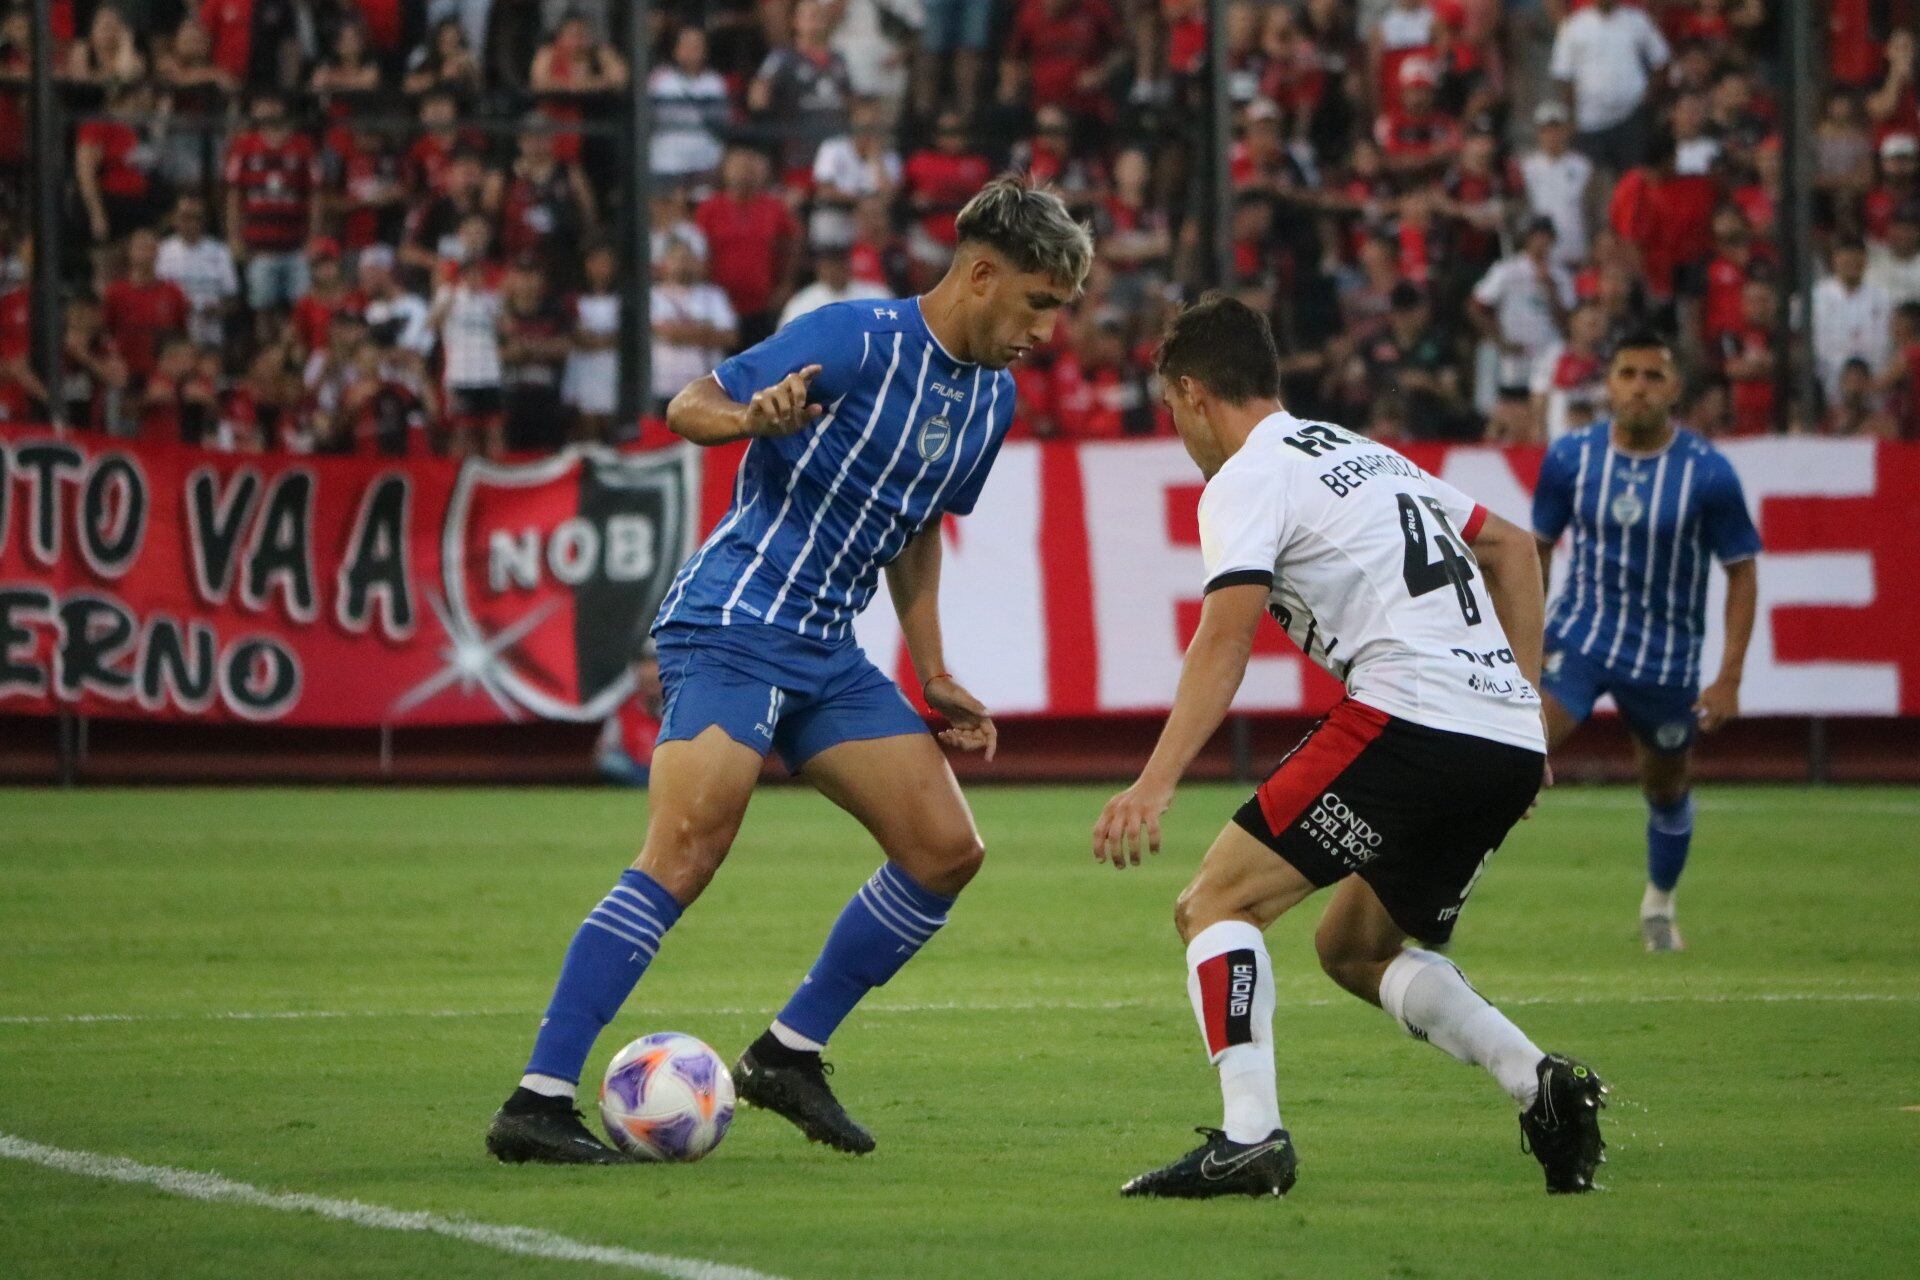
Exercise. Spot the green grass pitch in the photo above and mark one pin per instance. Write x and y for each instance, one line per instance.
(1765, 1118)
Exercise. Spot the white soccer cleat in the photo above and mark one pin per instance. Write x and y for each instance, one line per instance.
(1660, 933)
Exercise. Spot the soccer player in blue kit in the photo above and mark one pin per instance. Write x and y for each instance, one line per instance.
(870, 421)
(1649, 505)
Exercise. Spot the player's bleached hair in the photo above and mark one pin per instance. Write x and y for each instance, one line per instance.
(1031, 226)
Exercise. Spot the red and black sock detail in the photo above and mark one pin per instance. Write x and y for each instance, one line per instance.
(1226, 997)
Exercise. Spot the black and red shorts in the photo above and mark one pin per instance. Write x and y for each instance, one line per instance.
(1413, 811)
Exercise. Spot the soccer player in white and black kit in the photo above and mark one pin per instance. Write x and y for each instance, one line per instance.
(1429, 609)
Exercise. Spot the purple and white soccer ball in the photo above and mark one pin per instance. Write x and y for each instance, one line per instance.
(667, 1097)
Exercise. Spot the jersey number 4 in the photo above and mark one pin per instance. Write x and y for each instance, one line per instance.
(1453, 569)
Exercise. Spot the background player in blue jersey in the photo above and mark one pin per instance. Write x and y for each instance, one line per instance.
(869, 422)
(1649, 505)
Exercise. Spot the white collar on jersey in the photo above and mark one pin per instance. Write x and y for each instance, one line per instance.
(920, 314)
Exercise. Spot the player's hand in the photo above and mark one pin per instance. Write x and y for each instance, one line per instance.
(969, 723)
(1130, 824)
(1719, 702)
(782, 409)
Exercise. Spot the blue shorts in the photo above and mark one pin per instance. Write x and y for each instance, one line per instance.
(774, 690)
(1659, 715)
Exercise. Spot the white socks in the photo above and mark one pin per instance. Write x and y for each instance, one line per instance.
(787, 1036)
(1429, 997)
(547, 1086)
(1230, 981)
(1656, 902)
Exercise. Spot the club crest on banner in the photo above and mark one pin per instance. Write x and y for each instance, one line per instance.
(552, 571)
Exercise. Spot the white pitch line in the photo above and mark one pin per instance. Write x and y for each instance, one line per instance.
(1711, 801)
(211, 1187)
(951, 1006)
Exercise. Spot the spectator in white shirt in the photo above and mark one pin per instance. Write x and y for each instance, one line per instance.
(467, 313)
(1521, 306)
(690, 105)
(872, 36)
(1606, 55)
(672, 223)
(1557, 180)
(202, 266)
(694, 325)
(1895, 265)
(1852, 318)
(849, 168)
(833, 282)
(395, 318)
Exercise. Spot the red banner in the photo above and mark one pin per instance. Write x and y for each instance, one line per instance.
(165, 582)
(1075, 585)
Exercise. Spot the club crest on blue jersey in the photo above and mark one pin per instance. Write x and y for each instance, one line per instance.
(1627, 507)
(936, 433)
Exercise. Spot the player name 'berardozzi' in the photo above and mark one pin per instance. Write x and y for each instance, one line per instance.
(1345, 477)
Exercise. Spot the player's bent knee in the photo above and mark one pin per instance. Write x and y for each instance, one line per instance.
(946, 865)
(1200, 906)
(683, 860)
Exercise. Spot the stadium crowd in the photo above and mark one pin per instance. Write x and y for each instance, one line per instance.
(391, 226)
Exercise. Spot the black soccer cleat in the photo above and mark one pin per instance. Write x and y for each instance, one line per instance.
(793, 1084)
(1222, 1167)
(1562, 1127)
(542, 1130)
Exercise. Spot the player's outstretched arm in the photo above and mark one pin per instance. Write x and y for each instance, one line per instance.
(1509, 558)
(707, 415)
(1215, 664)
(1720, 701)
(913, 580)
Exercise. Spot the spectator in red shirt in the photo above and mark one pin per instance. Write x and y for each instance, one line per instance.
(1063, 53)
(141, 310)
(1759, 201)
(752, 242)
(327, 297)
(115, 167)
(1416, 135)
(1094, 395)
(573, 64)
(543, 205)
(229, 24)
(433, 151)
(1727, 272)
(1903, 378)
(1049, 157)
(179, 403)
(93, 377)
(1899, 185)
(272, 175)
(1747, 356)
(16, 344)
(366, 190)
(936, 182)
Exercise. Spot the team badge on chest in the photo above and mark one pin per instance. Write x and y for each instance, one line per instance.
(936, 435)
(1627, 507)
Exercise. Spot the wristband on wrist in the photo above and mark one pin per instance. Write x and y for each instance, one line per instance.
(938, 675)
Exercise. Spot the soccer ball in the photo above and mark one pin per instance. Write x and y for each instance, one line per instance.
(667, 1097)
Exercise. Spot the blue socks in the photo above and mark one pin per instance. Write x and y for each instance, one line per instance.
(613, 947)
(885, 924)
(1669, 833)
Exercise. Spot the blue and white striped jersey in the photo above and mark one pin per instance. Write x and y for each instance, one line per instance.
(1643, 528)
(909, 432)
